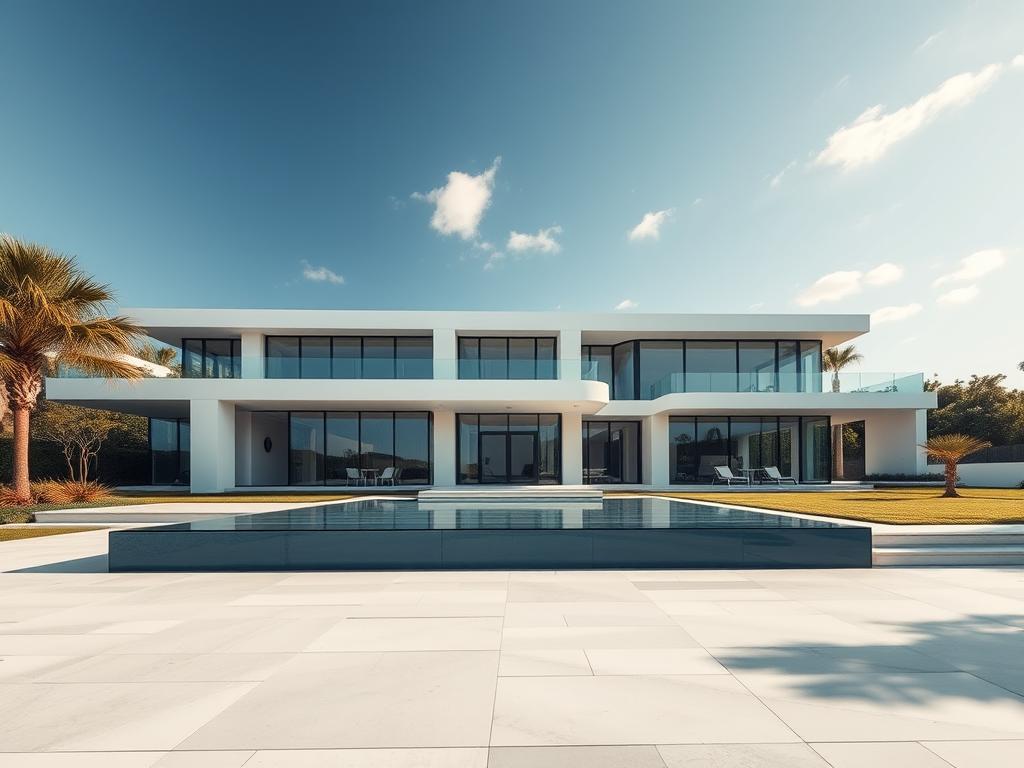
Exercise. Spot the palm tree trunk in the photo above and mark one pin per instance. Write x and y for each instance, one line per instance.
(22, 488)
(951, 481)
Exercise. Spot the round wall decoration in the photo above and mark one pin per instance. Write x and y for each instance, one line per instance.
(267, 444)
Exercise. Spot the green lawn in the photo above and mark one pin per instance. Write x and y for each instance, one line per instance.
(13, 533)
(898, 506)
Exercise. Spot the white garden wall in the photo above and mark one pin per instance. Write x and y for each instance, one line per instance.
(1007, 474)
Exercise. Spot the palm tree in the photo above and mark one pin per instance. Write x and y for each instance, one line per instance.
(950, 450)
(52, 314)
(164, 356)
(835, 360)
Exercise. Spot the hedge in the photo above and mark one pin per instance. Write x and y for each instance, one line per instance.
(119, 463)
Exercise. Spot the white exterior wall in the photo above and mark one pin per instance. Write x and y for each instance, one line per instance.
(444, 449)
(655, 459)
(891, 440)
(572, 448)
(1007, 474)
(213, 445)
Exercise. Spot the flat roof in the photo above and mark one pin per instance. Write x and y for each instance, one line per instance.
(171, 325)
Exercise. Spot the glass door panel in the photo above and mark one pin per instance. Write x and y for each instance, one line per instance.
(523, 458)
(494, 457)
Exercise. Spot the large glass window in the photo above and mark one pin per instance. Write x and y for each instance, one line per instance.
(661, 368)
(493, 358)
(789, 446)
(507, 358)
(810, 366)
(349, 357)
(789, 352)
(623, 384)
(469, 358)
(611, 452)
(509, 448)
(744, 444)
(682, 446)
(547, 368)
(169, 443)
(211, 358)
(597, 364)
(522, 358)
(712, 446)
(377, 440)
(412, 448)
(342, 463)
(306, 448)
(710, 366)
(757, 366)
(815, 450)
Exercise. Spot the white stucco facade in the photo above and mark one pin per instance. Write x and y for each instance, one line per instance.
(232, 445)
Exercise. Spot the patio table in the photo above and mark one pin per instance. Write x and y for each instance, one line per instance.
(370, 474)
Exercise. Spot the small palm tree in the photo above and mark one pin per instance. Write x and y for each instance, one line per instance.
(52, 314)
(950, 450)
(165, 356)
(836, 359)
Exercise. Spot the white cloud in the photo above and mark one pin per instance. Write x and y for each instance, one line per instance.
(1018, 60)
(929, 41)
(649, 227)
(320, 274)
(626, 304)
(698, 201)
(756, 306)
(884, 274)
(460, 204)
(777, 178)
(959, 295)
(832, 287)
(544, 241)
(974, 266)
(494, 260)
(893, 314)
(872, 134)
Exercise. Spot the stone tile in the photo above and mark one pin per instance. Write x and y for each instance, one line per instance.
(108, 716)
(218, 759)
(17, 669)
(575, 757)
(797, 631)
(349, 700)
(740, 756)
(543, 663)
(653, 661)
(539, 711)
(182, 668)
(978, 754)
(828, 659)
(81, 759)
(533, 638)
(902, 754)
(563, 591)
(408, 634)
(371, 758)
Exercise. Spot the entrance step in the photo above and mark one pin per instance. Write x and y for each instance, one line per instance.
(513, 493)
(949, 548)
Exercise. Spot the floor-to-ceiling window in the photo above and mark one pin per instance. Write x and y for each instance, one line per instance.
(757, 366)
(169, 446)
(482, 357)
(211, 358)
(661, 368)
(611, 452)
(711, 366)
(341, 447)
(597, 363)
(349, 357)
(517, 448)
(798, 446)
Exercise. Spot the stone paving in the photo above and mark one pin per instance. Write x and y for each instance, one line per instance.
(795, 669)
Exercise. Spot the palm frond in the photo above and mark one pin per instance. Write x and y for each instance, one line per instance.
(953, 447)
(97, 365)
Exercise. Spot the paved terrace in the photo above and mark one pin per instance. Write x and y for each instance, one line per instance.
(802, 669)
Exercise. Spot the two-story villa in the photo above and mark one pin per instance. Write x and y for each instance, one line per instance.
(338, 397)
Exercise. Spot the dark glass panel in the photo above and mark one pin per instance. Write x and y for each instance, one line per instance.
(378, 357)
(810, 366)
(745, 444)
(282, 357)
(788, 353)
(184, 451)
(469, 432)
(346, 357)
(342, 447)
(624, 452)
(710, 366)
(218, 359)
(547, 368)
(522, 358)
(682, 449)
(623, 372)
(414, 357)
(522, 422)
(595, 452)
(377, 440)
(712, 446)
(522, 448)
(192, 358)
(493, 422)
(494, 457)
(815, 450)
(316, 357)
(163, 444)
(493, 358)
(661, 368)
(469, 358)
(789, 446)
(600, 358)
(549, 451)
(412, 448)
(306, 462)
(757, 366)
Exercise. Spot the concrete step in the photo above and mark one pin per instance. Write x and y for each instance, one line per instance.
(167, 512)
(948, 538)
(515, 493)
(950, 554)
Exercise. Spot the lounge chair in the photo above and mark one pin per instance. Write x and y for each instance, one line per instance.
(725, 475)
(773, 474)
(351, 473)
(387, 476)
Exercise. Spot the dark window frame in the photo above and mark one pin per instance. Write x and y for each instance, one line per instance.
(508, 359)
(179, 420)
(508, 457)
(362, 355)
(236, 357)
(608, 425)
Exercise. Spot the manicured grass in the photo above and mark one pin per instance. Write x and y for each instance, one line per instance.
(897, 506)
(12, 533)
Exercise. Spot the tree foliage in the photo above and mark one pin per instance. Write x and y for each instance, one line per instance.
(80, 432)
(982, 407)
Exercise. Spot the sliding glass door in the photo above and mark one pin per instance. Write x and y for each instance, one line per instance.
(519, 448)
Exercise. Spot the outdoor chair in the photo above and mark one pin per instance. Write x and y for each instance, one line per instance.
(387, 476)
(725, 475)
(351, 473)
(773, 474)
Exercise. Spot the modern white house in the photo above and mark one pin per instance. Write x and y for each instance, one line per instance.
(271, 398)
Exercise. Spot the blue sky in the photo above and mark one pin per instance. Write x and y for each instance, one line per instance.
(659, 156)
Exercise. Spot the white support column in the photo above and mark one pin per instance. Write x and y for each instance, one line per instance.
(655, 450)
(890, 442)
(446, 354)
(921, 437)
(213, 445)
(252, 355)
(243, 448)
(444, 449)
(572, 448)
(569, 354)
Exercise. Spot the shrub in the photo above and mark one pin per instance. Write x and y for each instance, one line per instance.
(8, 498)
(72, 491)
(16, 516)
